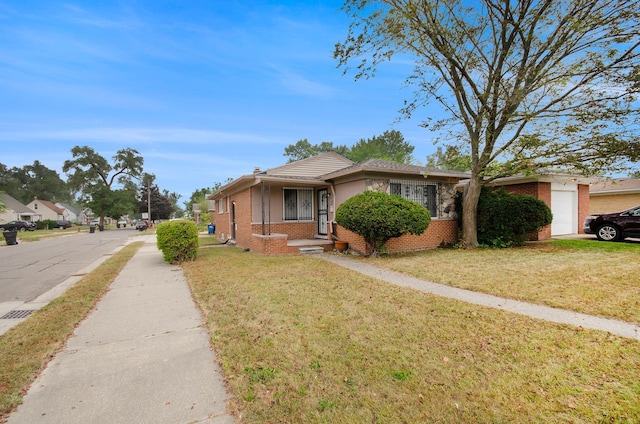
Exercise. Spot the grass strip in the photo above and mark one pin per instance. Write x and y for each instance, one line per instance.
(26, 348)
(300, 340)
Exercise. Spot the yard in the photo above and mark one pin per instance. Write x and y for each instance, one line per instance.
(300, 340)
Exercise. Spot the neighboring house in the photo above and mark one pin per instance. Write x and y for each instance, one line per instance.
(71, 214)
(46, 209)
(195, 210)
(14, 210)
(614, 195)
(566, 195)
(293, 206)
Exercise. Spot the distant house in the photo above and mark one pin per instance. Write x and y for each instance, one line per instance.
(14, 210)
(614, 195)
(70, 213)
(46, 209)
(292, 207)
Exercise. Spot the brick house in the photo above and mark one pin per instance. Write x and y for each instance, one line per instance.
(291, 208)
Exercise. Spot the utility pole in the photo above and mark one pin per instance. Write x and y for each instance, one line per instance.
(149, 199)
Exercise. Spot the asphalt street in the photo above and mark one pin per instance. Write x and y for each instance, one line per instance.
(30, 269)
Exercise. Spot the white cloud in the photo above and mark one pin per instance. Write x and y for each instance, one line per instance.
(139, 135)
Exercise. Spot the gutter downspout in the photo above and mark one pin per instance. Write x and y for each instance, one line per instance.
(262, 206)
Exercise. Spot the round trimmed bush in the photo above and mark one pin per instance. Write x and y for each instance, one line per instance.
(378, 217)
(178, 240)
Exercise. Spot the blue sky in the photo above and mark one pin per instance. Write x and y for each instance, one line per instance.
(205, 90)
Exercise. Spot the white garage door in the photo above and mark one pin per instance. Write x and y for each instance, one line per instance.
(565, 212)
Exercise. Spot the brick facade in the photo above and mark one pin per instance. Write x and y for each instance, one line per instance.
(613, 202)
(584, 201)
(295, 230)
(437, 233)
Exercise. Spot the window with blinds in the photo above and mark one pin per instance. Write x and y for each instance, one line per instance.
(420, 192)
(298, 204)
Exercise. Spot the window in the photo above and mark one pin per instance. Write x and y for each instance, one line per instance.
(298, 204)
(220, 206)
(423, 193)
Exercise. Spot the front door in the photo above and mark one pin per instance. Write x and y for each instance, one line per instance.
(323, 211)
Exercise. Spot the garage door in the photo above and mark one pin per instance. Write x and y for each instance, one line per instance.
(564, 209)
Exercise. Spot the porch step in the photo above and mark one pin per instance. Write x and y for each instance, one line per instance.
(309, 250)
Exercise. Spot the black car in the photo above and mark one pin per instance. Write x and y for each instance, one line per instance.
(141, 225)
(614, 226)
(18, 226)
(63, 223)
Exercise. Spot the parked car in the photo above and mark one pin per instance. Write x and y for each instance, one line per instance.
(141, 225)
(18, 226)
(94, 222)
(63, 224)
(122, 223)
(614, 226)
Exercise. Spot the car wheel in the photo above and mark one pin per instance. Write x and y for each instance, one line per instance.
(608, 232)
(23, 229)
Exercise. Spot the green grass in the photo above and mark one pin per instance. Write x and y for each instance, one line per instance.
(300, 340)
(26, 348)
(28, 236)
(208, 240)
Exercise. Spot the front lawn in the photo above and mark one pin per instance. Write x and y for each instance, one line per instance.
(588, 276)
(301, 340)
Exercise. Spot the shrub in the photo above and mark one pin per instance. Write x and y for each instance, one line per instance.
(178, 240)
(46, 224)
(378, 217)
(506, 219)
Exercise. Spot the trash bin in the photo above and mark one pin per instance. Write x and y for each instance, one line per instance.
(101, 227)
(212, 228)
(10, 237)
(92, 229)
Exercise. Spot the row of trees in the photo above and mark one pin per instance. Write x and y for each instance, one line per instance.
(391, 146)
(112, 189)
(23, 183)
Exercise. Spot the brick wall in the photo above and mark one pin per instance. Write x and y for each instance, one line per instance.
(243, 217)
(437, 232)
(584, 201)
(613, 202)
(275, 244)
(295, 230)
(223, 224)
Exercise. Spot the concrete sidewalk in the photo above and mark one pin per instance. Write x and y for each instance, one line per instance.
(547, 313)
(142, 356)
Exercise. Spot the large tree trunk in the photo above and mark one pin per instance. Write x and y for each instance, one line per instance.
(470, 213)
